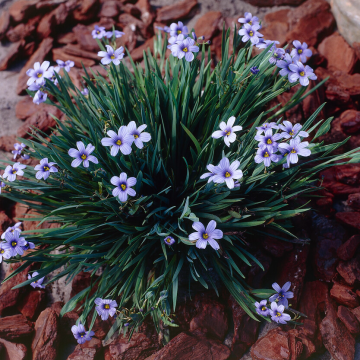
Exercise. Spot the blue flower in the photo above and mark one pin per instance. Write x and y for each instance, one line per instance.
(227, 131)
(266, 155)
(85, 91)
(18, 149)
(111, 55)
(169, 240)
(117, 33)
(164, 29)
(291, 130)
(206, 236)
(39, 73)
(268, 139)
(2, 184)
(249, 19)
(14, 243)
(82, 155)
(80, 334)
(4, 252)
(278, 315)
(139, 137)
(98, 32)
(11, 171)
(301, 73)
(37, 283)
(184, 48)
(263, 44)
(105, 307)
(249, 32)
(266, 126)
(121, 141)
(300, 52)
(67, 65)
(178, 29)
(39, 97)
(123, 186)
(254, 70)
(12, 229)
(44, 169)
(277, 54)
(227, 173)
(284, 65)
(28, 245)
(295, 148)
(261, 308)
(283, 294)
(210, 174)
(52, 76)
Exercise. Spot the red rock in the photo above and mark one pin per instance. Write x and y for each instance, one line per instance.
(39, 55)
(344, 295)
(350, 121)
(131, 9)
(15, 327)
(7, 142)
(4, 23)
(74, 49)
(13, 351)
(339, 54)
(137, 54)
(209, 24)
(193, 346)
(314, 16)
(276, 30)
(87, 351)
(348, 319)
(349, 218)
(127, 20)
(354, 202)
(356, 312)
(29, 49)
(20, 32)
(256, 274)
(101, 327)
(59, 53)
(147, 14)
(128, 40)
(65, 322)
(26, 108)
(355, 45)
(68, 38)
(4, 221)
(177, 11)
(336, 338)
(275, 2)
(22, 10)
(86, 11)
(350, 270)
(32, 304)
(109, 9)
(45, 342)
(313, 298)
(84, 38)
(347, 250)
(275, 246)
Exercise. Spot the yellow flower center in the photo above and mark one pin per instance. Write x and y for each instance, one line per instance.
(285, 154)
(123, 186)
(168, 240)
(250, 22)
(266, 154)
(291, 133)
(13, 171)
(98, 32)
(185, 50)
(118, 142)
(136, 136)
(278, 314)
(300, 51)
(251, 33)
(227, 174)
(263, 308)
(82, 334)
(179, 32)
(293, 151)
(13, 243)
(46, 168)
(39, 75)
(302, 73)
(205, 236)
(83, 156)
(112, 57)
(269, 141)
(228, 133)
(107, 306)
(2, 251)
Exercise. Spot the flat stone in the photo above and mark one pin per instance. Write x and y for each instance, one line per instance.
(59, 53)
(13, 351)
(350, 121)
(348, 319)
(15, 327)
(32, 304)
(87, 351)
(350, 270)
(349, 218)
(344, 295)
(209, 24)
(176, 11)
(22, 10)
(84, 38)
(354, 202)
(4, 23)
(11, 55)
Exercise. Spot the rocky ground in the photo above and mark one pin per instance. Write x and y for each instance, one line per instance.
(324, 267)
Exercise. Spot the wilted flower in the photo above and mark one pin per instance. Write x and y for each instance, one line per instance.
(37, 283)
(82, 155)
(12, 170)
(28, 245)
(14, 243)
(254, 70)
(2, 184)
(268, 139)
(261, 308)
(44, 169)
(291, 130)
(105, 307)
(282, 294)
(66, 65)
(227, 131)
(249, 19)
(227, 173)
(210, 174)
(205, 236)
(111, 55)
(249, 32)
(80, 334)
(266, 155)
(184, 48)
(4, 252)
(85, 91)
(139, 137)
(277, 54)
(38, 74)
(177, 29)
(284, 65)
(121, 141)
(295, 148)
(300, 52)
(123, 186)
(39, 97)
(98, 32)
(278, 315)
(117, 33)
(266, 126)
(301, 73)
(169, 240)
(12, 229)
(18, 149)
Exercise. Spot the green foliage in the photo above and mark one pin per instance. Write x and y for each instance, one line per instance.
(182, 104)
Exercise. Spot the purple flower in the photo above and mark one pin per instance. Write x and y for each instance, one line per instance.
(284, 154)
(4, 252)
(249, 32)
(184, 48)
(277, 55)
(82, 155)
(227, 173)
(268, 139)
(164, 29)
(266, 155)
(205, 236)
(52, 77)
(36, 87)
(263, 44)
(111, 55)
(44, 169)
(249, 19)
(277, 313)
(121, 141)
(14, 243)
(12, 229)
(177, 29)
(123, 186)
(301, 52)
(291, 130)
(80, 334)
(2, 184)
(254, 70)
(38, 74)
(282, 294)
(12, 170)
(25, 157)
(37, 283)
(284, 65)
(261, 308)
(118, 34)
(295, 148)
(173, 39)
(169, 240)
(301, 73)
(105, 307)
(28, 245)
(85, 92)
(266, 126)
(39, 97)
(210, 174)
(139, 137)
(227, 131)
(98, 32)
(66, 65)
(18, 149)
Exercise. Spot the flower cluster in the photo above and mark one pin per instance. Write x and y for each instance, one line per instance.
(99, 32)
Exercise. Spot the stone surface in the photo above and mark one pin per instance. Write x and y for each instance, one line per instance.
(4, 23)
(15, 327)
(137, 54)
(209, 24)
(350, 122)
(349, 218)
(11, 55)
(59, 53)
(13, 351)
(88, 351)
(22, 10)
(354, 202)
(4, 221)
(176, 11)
(348, 319)
(86, 10)
(83, 37)
(32, 304)
(350, 270)
(356, 312)
(65, 322)
(275, 2)
(110, 9)
(20, 32)
(344, 295)
(45, 342)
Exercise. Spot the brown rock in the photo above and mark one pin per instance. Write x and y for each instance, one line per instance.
(22, 10)
(209, 24)
(26, 108)
(344, 295)
(275, 2)
(349, 218)
(65, 322)
(20, 32)
(350, 121)
(131, 9)
(177, 11)
(68, 38)
(29, 49)
(45, 342)
(339, 54)
(84, 38)
(147, 14)
(74, 49)
(4, 23)
(137, 54)
(128, 40)
(87, 351)
(348, 319)
(347, 250)
(356, 312)
(39, 55)
(109, 9)
(276, 30)
(336, 338)
(127, 20)
(355, 45)
(86, 11)
(4, 221)
(32, 304)
(275, 246)
(193, 346)
(59, 53)
(354, 202)
(314, 16)
(313, 298)
(13, 351)
(7, 142)
(350, 270)
(15, 327)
